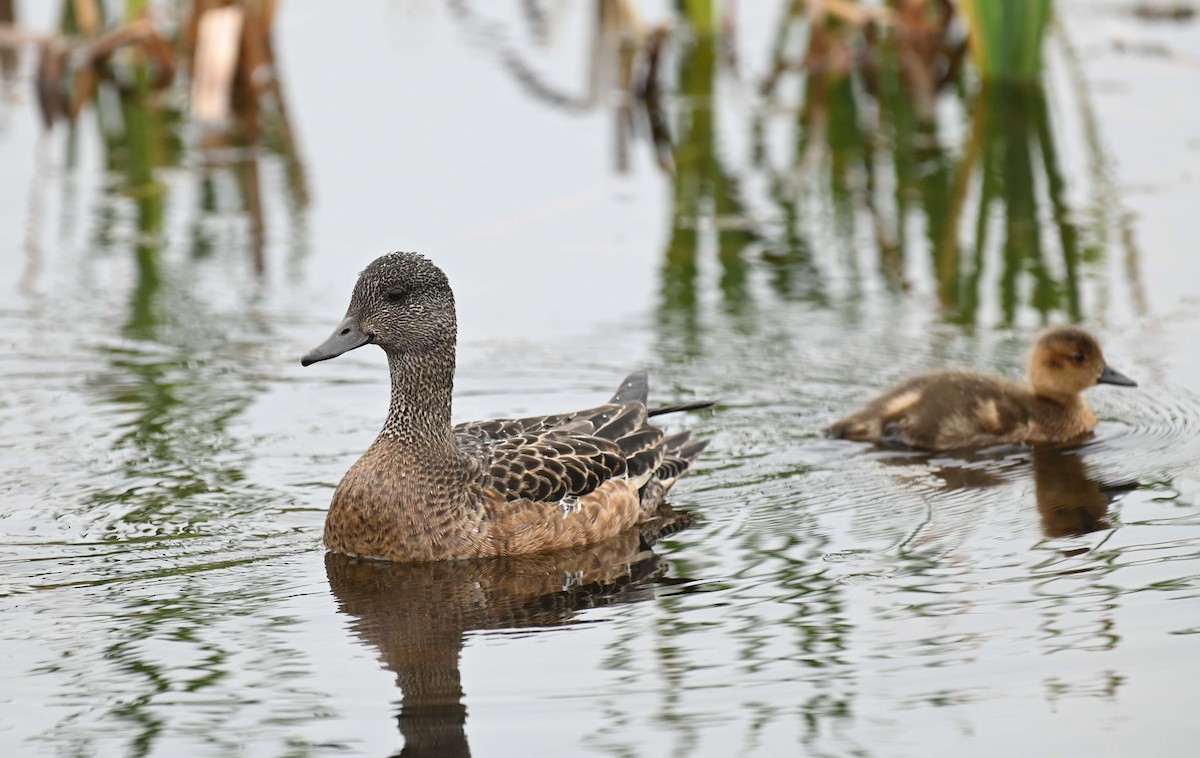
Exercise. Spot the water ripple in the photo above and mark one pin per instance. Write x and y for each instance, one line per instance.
(1148, 435)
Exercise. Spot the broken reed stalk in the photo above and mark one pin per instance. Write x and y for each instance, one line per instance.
(214, 63)
(225, 44)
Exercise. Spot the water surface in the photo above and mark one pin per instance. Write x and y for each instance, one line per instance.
(167, 462)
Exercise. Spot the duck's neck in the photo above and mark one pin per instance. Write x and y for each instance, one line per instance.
(1068, 400)
(422, 385)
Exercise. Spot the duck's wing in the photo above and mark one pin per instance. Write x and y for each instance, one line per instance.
(569, 455)
(494, 430)
(526, 460)
(633, 390)
(551, 467)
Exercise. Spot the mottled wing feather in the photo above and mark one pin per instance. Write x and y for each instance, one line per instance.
(555, 457)
(680, 453)
(503, 428)
(643, 465)
(553, 465)
(643, 451)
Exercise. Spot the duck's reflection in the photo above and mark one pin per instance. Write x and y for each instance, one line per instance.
(1069, 500)
(416, 616)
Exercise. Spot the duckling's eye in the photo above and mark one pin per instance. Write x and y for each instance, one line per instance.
(396, 294)
(1078, 357)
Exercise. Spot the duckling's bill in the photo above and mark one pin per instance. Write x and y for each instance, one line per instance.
(347, 336)
(1112, 376)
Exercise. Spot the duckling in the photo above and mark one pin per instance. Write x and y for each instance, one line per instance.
(948, 410)
(429, 491)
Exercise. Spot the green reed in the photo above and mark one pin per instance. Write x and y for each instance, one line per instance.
(1006, 37)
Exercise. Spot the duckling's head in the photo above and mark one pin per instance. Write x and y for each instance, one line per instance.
(1066, 360)
(401, 302)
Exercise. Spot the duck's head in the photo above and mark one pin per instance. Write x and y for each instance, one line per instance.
(401, 302)
(1066, 360)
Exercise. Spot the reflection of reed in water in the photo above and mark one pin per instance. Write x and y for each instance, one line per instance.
(417, 614)
(8, 56)
(79, 66)
(868, 136)
(847, 131)
(171, 393)
(707, 207)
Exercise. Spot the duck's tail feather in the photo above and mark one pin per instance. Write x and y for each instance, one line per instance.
(690, 406)
(635, 388)
(678, 453)
(681, 452)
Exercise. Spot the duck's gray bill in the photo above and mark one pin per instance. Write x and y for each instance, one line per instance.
(345, 338)
(1112, 376)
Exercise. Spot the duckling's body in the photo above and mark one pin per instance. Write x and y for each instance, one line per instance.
(949, 410)
(959, 409)
(425, 490)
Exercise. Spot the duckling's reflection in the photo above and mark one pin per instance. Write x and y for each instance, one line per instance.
(1069, 501)
(417, 614)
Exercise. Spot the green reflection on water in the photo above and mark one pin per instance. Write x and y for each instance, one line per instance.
(704, 193)
(178, 460)
(871, 160)
(167, 516)
(1011, 154)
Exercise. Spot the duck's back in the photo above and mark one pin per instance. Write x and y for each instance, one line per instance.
(945, 410)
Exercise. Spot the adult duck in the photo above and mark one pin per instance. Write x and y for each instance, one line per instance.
(426, 490)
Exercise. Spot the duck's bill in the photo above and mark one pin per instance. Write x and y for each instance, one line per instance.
(1112, 376)
(345, 338)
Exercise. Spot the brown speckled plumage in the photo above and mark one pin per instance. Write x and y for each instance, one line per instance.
(425, 490)
(949, 410)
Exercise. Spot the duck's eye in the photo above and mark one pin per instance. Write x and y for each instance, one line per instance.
(396, 294)
(1078, 357)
